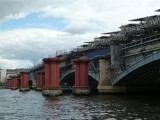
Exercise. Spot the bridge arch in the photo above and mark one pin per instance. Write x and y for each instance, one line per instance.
(143, 73)
(69, 78)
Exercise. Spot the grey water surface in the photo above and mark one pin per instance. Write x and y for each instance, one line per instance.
(15, 105)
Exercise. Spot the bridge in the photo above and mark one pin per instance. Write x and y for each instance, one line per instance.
(112, 63)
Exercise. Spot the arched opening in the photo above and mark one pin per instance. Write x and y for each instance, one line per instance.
(68, 82)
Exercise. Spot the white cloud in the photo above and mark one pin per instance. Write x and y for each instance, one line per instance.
(84, 19)
(13, 64)
(83, 27)
(34, 44)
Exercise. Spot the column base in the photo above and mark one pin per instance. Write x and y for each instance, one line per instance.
(24, 89)
(14, 88)
(39, 89)
(81, 90)
(112, 89)
(52, 92)
(33, 87)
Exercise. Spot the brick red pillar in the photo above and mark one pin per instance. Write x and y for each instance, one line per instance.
(19, 80)
(14, 82)
(24, 86)
(11, 83)
(81, 77)
(52, 76)
(40, 79)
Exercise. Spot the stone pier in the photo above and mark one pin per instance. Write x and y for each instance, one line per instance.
(81, 77)
(24, 86)
(40, 81)
(52, 77)
(34, 84)
(105, 85)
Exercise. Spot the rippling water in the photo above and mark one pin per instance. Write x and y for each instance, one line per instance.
(15, 105)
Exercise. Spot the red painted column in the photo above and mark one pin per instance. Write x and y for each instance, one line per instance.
(11, 83)
(77, 74)
(24, 86)
(81, 76)
(40, 79)
(52, 76)
(47, 73)
(14, 82)
(43, 81)
(84, 74)
(19, 80)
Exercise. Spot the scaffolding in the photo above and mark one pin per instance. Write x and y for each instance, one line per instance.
(135, 40)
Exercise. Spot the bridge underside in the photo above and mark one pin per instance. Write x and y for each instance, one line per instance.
(145, 76)
(70, 80)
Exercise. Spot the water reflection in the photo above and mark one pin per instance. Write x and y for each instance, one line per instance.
(32, 105)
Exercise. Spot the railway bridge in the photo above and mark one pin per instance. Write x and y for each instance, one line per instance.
(116, 62)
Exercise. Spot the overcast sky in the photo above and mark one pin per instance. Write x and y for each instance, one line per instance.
(33, 29)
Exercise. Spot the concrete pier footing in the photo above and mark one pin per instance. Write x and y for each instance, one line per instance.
(24, 89)
(39, 89)
(33, 87)
(14, 88)
(112, 89)
(53, 92)
(81, 90)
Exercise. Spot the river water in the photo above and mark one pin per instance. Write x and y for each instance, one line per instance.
(15, 105)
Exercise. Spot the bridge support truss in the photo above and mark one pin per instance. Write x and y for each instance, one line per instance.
(52, 77)
(24, 86)
(81, 77)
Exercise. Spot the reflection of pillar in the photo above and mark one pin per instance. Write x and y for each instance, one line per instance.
(14, 83)
(105, 85)
(24, 81)
(52, 77)
(40, 79)
(81, 77)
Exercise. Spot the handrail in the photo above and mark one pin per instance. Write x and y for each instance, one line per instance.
(139, 40)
